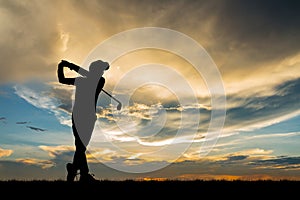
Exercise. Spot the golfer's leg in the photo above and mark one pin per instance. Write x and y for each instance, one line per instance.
(80, 157)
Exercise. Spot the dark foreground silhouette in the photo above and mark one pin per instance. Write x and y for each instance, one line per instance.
(88, 87)
(153, 189)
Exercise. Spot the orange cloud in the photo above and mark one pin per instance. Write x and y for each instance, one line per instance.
(5, 152)
(44, 164)
(56, 150)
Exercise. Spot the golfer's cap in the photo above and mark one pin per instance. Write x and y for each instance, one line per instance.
(99, 65)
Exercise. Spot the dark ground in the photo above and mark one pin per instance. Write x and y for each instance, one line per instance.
(151, 189)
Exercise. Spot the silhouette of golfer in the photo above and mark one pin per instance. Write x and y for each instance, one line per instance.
(88, 88)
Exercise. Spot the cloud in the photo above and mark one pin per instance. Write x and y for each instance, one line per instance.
(96, 155)
(55, 151)
(274, 135)
(241, 155)
(3, 120)
(248, 41)
(253, 39)
(46, 97)
(153, 125)
(246, 156)
(284, 162)
(268, 26)
(249, 164)
(44, 164)
(255, 111)
(36, 128)
(5, 152)
(29, 48)
(246, 113)
(32, 51)
(24, 122)
(148, 127)
(236, 158)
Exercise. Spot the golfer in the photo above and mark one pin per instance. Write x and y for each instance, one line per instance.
(88, 88)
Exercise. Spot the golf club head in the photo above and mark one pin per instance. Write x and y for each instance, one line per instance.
(119, 106)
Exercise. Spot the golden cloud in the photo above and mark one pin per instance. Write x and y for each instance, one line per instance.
(5, 152)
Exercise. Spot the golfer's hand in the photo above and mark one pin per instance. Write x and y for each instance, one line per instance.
(66, 64)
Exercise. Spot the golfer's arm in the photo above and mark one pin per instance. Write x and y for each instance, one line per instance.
(99, 88)
(78, 69)
(61, 76)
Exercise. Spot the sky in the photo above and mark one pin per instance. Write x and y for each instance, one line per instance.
(209, 89)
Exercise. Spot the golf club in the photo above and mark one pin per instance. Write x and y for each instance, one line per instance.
(119, 103)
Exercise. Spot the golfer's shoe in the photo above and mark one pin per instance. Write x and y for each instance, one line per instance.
(87, 178)
(72, 172)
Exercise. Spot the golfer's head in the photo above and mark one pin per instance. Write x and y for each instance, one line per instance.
(98, 67)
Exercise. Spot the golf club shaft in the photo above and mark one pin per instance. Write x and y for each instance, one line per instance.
(111, 96)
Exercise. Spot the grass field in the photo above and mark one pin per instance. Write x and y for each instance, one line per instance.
(152, 189)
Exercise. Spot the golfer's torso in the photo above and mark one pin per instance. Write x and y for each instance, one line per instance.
(84, 103)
